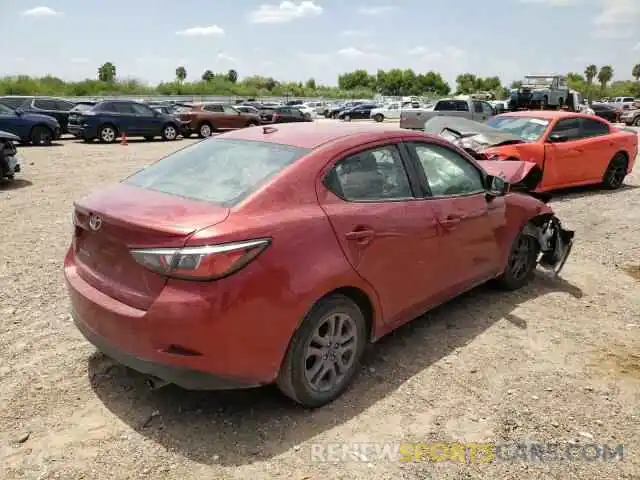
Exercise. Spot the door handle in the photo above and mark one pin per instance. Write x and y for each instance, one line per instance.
(451, 221)
(360, 235)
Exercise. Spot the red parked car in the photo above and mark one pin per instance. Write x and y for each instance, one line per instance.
(276, 254)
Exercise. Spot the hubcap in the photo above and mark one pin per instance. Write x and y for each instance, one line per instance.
(205, 130)
(170, 133)
(520, 258)
(331, 352)
(108, 134)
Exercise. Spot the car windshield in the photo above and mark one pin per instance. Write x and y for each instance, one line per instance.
(4, 110)
(538, 81)
(529, 129)
(220, 171)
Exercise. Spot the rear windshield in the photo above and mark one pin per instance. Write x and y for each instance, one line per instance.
(219, 171)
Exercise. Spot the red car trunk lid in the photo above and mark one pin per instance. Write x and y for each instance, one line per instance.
(126, 217)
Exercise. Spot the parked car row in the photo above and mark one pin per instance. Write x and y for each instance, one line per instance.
(41, 120)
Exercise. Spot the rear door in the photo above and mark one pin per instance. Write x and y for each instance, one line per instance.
(216, 115)
(468, 223)
(599, 148)
(389, 236)
(126, 118)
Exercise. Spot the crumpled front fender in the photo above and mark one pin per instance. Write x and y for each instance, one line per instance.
(555, 241)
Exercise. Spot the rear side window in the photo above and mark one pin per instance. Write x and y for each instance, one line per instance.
(593, 128)
(223, 172)
(214, 108)
(372, 175)
(452, 106)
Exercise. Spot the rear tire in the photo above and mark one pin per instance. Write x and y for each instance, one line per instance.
(613, 177)
(325, 353)
(378, 117)
(521, 264)
(636, 122)
(41, 135)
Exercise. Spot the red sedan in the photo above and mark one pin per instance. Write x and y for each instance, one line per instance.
(275, 254)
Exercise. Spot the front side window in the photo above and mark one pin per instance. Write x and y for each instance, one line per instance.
(447, 172)
(568, 127)
(222, 172)
(141, 109)
(45, 104)
(372, 175)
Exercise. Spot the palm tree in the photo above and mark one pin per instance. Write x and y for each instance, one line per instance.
(207, 76)
(636, 72)
(107, 72)
(181, 74)
(605, 75)
(590, 73)
(232, 76)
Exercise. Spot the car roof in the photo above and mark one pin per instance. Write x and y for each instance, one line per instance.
(546, 114)
(314, 134)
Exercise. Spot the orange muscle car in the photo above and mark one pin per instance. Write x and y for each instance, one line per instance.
(567, 149)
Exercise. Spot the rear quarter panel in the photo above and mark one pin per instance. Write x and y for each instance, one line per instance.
(626, 141)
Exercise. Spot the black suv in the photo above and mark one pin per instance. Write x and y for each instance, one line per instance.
(50, 106)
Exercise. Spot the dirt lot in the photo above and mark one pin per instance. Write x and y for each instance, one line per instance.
(557, 361)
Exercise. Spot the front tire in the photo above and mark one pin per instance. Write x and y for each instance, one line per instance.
(107, 134)
(42, 136)
(521, 264)
(325, 353)
(636, 122)
(205, 130)
(613, 177)
(169, 132)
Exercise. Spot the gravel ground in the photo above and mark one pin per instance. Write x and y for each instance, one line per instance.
(555, 362)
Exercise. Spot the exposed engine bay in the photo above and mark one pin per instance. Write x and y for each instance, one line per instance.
(9, 165)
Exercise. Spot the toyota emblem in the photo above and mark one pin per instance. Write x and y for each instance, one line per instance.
(95, 222)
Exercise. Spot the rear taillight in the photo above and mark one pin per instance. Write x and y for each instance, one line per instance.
(207, 262)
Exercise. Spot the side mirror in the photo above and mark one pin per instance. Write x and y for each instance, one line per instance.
(558, 138)
(496, 186)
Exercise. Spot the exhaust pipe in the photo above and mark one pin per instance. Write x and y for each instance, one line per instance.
(155, 383)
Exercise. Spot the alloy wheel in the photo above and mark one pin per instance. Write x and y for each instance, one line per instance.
(170, 132)
(108, 134)
(520, 260)
(331, 352)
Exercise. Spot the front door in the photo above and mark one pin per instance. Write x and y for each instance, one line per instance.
(388, 236)
(147, 121)
(564, 160)
(468, 221)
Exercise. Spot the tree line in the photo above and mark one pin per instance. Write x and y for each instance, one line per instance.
(593, 82)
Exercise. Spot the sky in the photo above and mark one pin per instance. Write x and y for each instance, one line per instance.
(296, 40)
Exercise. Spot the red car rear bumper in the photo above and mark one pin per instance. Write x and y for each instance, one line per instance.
(185, 338)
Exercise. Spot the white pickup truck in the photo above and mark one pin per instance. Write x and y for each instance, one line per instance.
(477, 110)
(392, 110)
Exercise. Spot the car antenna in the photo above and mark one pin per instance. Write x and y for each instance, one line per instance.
(269, 129)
